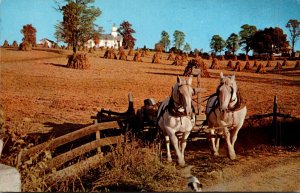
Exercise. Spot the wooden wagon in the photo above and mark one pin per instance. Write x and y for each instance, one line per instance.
(145, 118)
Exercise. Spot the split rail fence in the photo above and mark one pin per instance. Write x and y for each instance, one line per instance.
(79, 168)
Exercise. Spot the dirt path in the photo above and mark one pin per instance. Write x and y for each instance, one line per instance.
(277, 171)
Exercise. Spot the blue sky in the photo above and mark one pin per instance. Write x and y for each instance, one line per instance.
(198, 19)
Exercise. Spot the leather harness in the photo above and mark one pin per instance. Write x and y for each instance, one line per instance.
(171, 108)
(239, 105)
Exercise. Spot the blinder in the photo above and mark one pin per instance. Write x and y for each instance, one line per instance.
(231, 92)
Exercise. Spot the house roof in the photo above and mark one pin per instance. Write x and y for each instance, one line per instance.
(110, 37)
(44, 39)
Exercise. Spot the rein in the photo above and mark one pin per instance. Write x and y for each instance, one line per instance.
(173, 110)
(239, 104)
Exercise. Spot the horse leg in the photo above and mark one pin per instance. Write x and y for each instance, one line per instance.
(231, 151)
(214, 143)
(169, 158)
(234, 136)
(237, 128)
(174, 141)
(217, 144)
(184, 142)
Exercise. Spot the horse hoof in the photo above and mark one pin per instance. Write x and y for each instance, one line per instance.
(181, 164)
(169, 159)
(216, 154)
(232, 156)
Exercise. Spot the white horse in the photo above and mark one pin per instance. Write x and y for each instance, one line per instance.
(175, 115)
(225, 109)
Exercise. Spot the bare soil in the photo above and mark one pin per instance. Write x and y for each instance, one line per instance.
(40, 95)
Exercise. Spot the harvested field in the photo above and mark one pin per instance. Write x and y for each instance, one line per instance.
(39, 94)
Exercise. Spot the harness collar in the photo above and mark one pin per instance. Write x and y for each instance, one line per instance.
(173, 110)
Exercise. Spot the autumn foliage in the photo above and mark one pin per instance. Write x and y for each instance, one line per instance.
(29, 33)
(126, 31)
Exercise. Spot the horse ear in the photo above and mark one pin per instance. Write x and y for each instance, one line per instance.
(178, 79)
(233, 76)
(189, 80)
(221, 75)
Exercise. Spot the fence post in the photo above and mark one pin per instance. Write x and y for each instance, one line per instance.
(274, 121)
(197, 72)
(199, 93)
(97, 136)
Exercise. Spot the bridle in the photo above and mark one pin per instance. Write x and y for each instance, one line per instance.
(231, 93)
(179, 104)
(173, 106)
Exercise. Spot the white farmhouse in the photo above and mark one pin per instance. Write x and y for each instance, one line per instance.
(49, 42)
(90, 43)
(112, 40)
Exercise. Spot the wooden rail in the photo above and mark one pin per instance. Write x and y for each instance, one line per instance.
(63, 158)
(76, 170)
(274, 116)
(80, 168)
(51, 145)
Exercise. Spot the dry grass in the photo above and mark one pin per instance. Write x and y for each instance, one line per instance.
(25, 46)
(215, 64)
(78, 61)
(135, 167)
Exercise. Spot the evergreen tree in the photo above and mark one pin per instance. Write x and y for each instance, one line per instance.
(232, 43)
(217, 43)
(246, 35)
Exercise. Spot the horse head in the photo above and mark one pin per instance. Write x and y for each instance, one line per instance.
(227, 92)
(182, 94)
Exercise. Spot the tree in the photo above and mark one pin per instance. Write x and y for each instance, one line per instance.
(126, 31)
(187, 48)
(78, 25)
(29, 33)
(246, 35)
(97, 35)
(270, 40)
(217, 43)
(58, 33)
(294, 27)
(165, 39)
(179, 37)
(232, 43)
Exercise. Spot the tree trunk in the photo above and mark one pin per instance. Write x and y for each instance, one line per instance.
(74, 50)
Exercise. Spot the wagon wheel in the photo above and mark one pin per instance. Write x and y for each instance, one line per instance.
(159, 137)
(140, 119)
